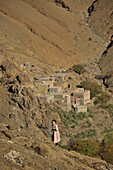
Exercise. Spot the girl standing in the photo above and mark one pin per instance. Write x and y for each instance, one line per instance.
(55, 133)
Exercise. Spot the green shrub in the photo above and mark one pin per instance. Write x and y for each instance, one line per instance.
(111, 114)
(89, 122)
(110, 107)
(78, 69)
(106, 117)
(89, 110)
(67, 147)
(107, 153)
(87, 147)
(104, 97)
(102, 100)
(71, 118)
(94, 87)
(81, 115)
(55, 109)
(107, 148)
(73, 126)
(90, 115)
(108, 139)
(107, 131)
(103, 106)
(97, 101)
(86, 134)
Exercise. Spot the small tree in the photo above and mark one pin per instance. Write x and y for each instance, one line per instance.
(107, 149)
(102, 99)
(94, 87)
(78, 69)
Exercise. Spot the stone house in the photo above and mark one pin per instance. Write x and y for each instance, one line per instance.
(41, 89)
(46, 81)
(63, 100)
(55, 89)
(60, 77)
(86, 96)
(80, 96)
(27, 65)
(63, 85)
(47, 98)
(80, 108)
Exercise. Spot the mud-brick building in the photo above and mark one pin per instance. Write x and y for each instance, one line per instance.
(27, 65)
(63, 100)
(46, 98)
(63, 85)
(46, 81)
(61, 70)
(80, 96)
(41, 89)
(60, 77)
(79, 108)
(86, 96)
(55, 89)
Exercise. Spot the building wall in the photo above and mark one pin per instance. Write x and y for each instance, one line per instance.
(55, 89)
(42, 89)
(83, 95)
(63, 84)
(64, 101)
(48, 83)
(80, 108)
(50, 99)
(87, 97)
(78, 96)
(47, 98)
(60, 77)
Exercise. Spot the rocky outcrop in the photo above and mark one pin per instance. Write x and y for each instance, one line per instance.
(62, 4)
(92, 8)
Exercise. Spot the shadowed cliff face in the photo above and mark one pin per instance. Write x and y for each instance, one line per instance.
(48, 32)
(101, 21)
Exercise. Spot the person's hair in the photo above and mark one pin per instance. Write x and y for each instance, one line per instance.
(53, 121)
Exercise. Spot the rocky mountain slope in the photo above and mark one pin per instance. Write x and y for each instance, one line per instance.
(23, 128)
(49, 34)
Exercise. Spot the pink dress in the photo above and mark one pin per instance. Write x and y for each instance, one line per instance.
(56, 134)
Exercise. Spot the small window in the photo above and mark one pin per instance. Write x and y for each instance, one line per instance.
(69, 86)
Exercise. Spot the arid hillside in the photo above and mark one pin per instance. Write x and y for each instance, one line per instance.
(48, 35)
(48, 32)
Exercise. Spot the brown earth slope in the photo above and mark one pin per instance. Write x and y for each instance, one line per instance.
(48, 32)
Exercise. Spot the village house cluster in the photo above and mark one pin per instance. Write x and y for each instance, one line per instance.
(57, 88)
